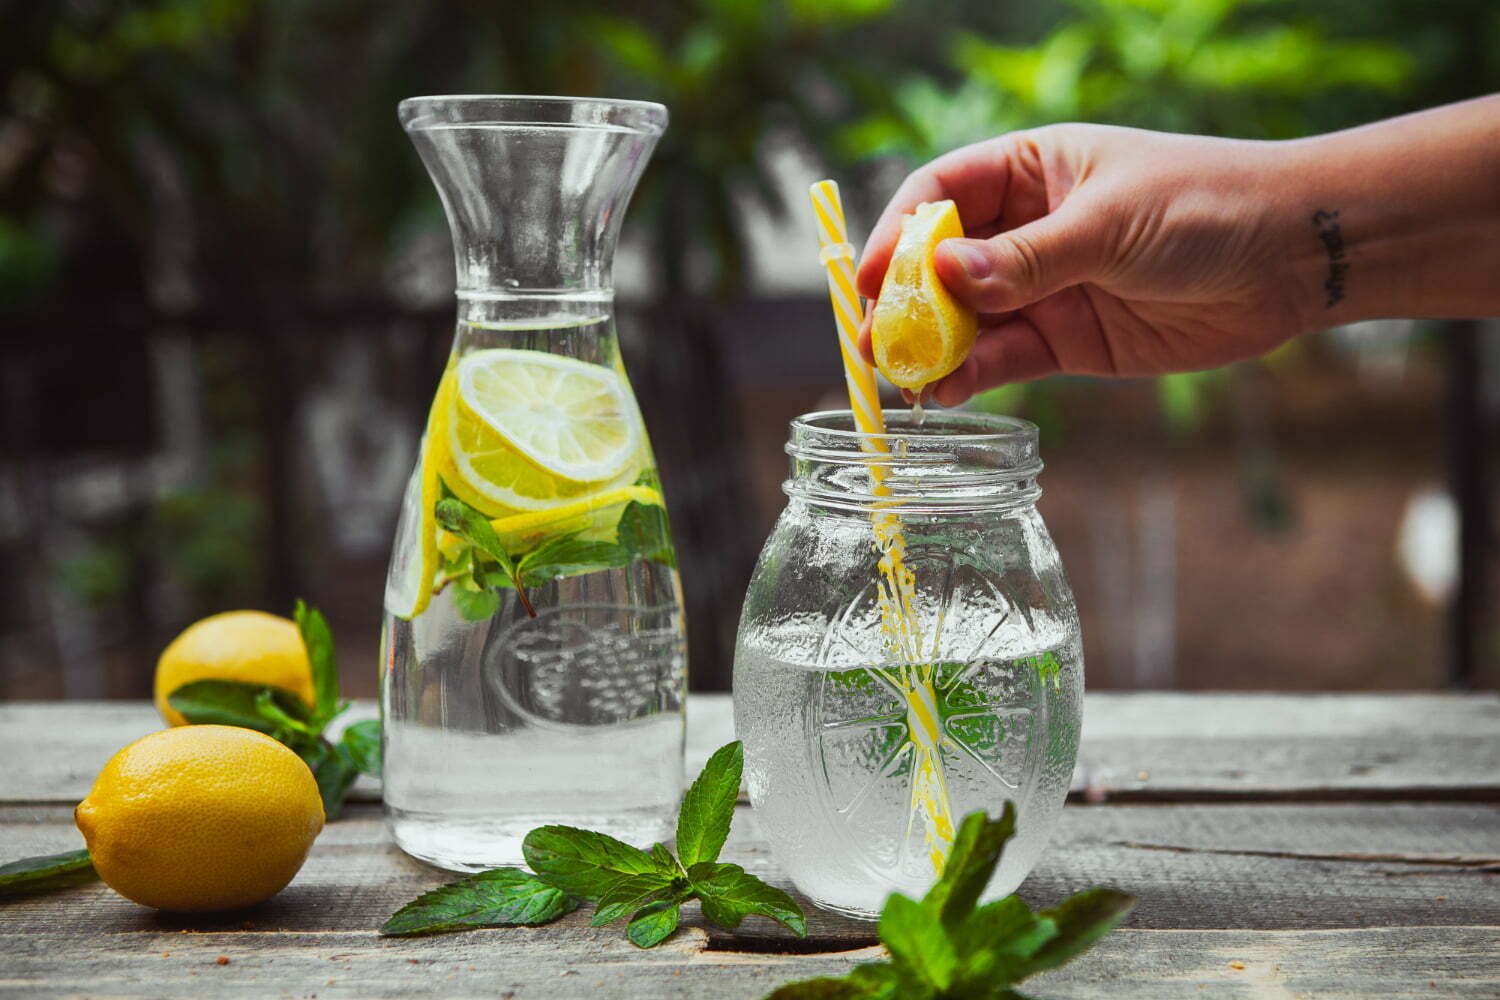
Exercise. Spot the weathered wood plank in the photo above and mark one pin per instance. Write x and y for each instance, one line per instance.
(1254, 867)
(52, 751)
(1151, 746)
(1244, 900)
(1393, 963)
(1184, 746)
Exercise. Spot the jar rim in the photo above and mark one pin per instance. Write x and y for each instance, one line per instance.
(954, 459)
(988, 428)
(531, 111)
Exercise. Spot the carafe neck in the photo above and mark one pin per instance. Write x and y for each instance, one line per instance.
(534, 189)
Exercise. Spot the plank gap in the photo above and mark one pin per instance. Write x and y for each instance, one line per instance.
(768, 944)
(1474, 864)
(1308, 796)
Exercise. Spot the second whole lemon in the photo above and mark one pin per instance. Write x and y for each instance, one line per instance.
(251, 647)
(201, 818)
(919, 331)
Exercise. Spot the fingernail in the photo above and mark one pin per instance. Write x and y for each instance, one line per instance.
(975, 264)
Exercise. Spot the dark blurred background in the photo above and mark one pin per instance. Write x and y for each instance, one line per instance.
(225, 297)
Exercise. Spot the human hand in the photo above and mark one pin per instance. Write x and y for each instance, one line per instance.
(1096, 250)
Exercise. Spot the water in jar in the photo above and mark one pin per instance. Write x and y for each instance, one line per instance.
(829, 755)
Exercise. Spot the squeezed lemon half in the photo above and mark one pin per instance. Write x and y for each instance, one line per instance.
(919, 331)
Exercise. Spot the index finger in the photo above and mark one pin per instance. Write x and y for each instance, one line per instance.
(974, 176)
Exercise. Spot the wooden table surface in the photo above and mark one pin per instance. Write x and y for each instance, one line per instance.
(1334, 846)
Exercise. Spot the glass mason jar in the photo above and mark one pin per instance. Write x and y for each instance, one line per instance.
(908, 653)
(533, 656)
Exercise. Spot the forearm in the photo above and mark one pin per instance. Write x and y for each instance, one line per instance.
(1396, 219)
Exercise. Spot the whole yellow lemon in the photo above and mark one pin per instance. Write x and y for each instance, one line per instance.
(247, 646)
(201, 818)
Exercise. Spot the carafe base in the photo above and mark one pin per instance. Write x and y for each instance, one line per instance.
(479, 843)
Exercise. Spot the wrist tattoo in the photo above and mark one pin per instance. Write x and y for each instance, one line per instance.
(1338, 266)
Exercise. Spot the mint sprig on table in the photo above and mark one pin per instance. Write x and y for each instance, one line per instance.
(285, 717)
(570, 866)
(948, 947)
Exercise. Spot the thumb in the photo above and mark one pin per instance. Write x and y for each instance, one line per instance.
(1022, 265)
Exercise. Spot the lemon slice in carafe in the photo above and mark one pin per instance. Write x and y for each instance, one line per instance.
(414, 556)
(532, 430)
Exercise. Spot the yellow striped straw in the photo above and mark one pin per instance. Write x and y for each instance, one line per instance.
(929, 791)
(837, 256)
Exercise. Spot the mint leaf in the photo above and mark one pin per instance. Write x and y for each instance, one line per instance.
(886, 981)
(334, 771)
(1081, 921)
(581, 862)
(729, 894)
(500, 898)
(997, 940)
(477, 605)
(644, 532)
(708, 806)
(631, 893)
(48, 873)
(871, 981)
(976, 851)
(947, 947)
(665, 863)
(568, 555)
(918, 942)
(474, 528)
(235, 703)
(265, 704)
(653, 923)
(361, 742)
(493, 577)
(318, 639)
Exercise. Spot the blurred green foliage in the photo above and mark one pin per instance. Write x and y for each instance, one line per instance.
(209, 533)
(735, 74)
(27, 263)
(269, 123)
(173, 156)
(98, 574)
(1250, 68)
(1247, 68)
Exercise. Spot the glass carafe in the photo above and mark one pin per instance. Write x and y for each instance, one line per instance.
(533, 660)
(908, 653)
